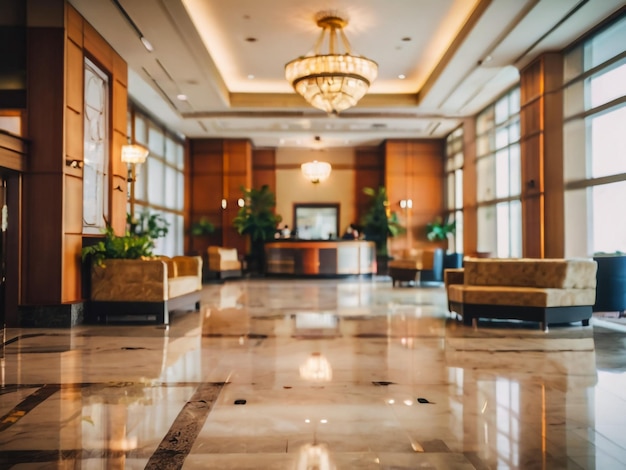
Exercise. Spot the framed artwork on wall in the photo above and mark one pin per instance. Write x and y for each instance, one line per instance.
(316, 221)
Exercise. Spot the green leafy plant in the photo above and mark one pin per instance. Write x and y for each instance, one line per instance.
(202, 227)
(440, 229)
(148, 224)
(137, 242)
(257, 219)
(379, 224)
(128, 246)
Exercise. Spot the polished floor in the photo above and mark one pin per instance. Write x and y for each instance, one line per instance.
(302, 374)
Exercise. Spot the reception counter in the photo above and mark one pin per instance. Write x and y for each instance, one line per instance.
(320, 257)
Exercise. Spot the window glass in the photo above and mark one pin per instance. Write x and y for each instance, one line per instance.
(605, 45)
(594, 143)
(156, 142)
(169, 192)
(502, 173)
(608, 85)
(458, 191)
(609, 231)
(502, 110)
(515, 216)
(156, 193)
(485, 178)
(486, 218)
(160, 181)
(608, 142)
(498, 178)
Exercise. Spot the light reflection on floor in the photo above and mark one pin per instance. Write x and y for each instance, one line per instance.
(325, 374)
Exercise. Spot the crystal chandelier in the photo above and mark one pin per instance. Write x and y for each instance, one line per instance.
(334, 81)
(316, 171)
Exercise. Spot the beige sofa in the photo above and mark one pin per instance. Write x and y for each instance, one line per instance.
(224, 262)
(542, 290)
(416, 265)
(144, 290)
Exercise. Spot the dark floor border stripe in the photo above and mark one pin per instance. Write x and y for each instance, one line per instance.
(25, 336)
(177, 443)
(27, 405)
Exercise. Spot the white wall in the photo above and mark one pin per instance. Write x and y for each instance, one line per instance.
(292, 187)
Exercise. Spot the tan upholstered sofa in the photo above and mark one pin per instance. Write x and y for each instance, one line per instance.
(224, 262)
(417, 265)
(542, 290)
(144, 290)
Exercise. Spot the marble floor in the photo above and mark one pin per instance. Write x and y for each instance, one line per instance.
(303, 374)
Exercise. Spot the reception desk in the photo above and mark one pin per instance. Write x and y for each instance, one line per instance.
(320, 257)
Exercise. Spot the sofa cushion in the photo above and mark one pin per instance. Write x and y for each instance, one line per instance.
(520, 296)
(550, 273)
(181, 285)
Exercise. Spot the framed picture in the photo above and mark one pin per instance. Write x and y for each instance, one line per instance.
(316, 221)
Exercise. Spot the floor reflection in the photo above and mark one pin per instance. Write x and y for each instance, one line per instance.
(314, 374)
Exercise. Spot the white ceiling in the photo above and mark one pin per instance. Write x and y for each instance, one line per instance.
(457, 56)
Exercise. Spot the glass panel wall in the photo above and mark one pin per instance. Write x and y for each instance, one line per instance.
(595, 142)
(498, 177)
(454, 185)
(160, 180)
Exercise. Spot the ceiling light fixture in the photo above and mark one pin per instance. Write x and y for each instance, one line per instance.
(316, 171)
(333, 81)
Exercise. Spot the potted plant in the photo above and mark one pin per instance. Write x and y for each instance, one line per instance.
(443, 229)
(138, 241)
(257, 219)
(379, 224)
(202, 228)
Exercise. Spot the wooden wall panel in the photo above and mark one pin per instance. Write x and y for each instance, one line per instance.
(414, 170)
(74, 141)
(542, 157)
(74, 26)
(72, 245)
(52, 222)
(74, 77)
(264, 168)
(369, 172)
(43, 232)
(73, 205)
(97, 47)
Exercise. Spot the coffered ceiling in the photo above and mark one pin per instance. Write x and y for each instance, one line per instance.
(227, 57)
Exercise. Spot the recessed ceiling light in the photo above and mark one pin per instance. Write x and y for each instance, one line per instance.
(401, 76)
(250, 77)
(251, 39)
(407, 39)
(182, 97)
(146, 44)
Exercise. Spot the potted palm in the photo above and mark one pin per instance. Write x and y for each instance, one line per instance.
(379, 224)
(257, 220)
(444, 229)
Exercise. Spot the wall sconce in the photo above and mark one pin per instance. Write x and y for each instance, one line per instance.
(241, 202)
(133, 155)
(406, 203)
(316, 171)
(224, 204)
(74, 163)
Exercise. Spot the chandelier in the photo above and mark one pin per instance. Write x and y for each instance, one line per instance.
(334, 81)
(316, 171)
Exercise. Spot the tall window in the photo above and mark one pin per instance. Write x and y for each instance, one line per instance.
(96, 149)
(454, 184)
(595, 142)
(498, 178)
(160, 183)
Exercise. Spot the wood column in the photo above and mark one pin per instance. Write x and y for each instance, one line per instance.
(58, 40)
(541, 120)
(414, 170)
(217, 171)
